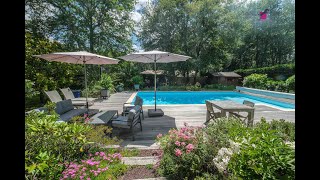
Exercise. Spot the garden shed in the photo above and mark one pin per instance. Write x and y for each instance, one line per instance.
(227, 78)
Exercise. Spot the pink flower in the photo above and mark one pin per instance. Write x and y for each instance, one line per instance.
(186, 137)
(177, 143)
(183, 143)
(178, 152)
(159, 135)
(188, 151)
(190, 147)
(88, 179)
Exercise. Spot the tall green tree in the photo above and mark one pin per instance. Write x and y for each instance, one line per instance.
(220, 35)
(49, 75)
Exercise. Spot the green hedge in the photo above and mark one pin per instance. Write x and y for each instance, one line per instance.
(285, 70)
(261, 81)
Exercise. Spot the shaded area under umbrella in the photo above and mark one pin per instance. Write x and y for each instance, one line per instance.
(154, 57)
(80, 57)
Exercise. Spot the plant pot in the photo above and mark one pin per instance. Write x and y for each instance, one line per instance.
(120, 89)
(136, 86)
(104, 93)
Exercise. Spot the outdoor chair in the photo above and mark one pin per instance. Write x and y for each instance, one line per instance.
(55, 97)
(212, 115)
(66, 111)
(68, 94)
(128, 106)
(240, 116)
(130, 121)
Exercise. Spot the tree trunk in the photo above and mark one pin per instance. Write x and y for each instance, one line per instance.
(195, 77)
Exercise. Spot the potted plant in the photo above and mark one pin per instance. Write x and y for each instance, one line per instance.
(120, 87)
(106, 84)
(137, 80)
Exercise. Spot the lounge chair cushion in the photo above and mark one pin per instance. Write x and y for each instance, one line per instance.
(133, 111)
(125, 121)
(70, 114)
(64, 106)
(121, 122)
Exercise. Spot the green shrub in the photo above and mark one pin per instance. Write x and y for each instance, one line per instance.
(258, 81)
(29, 90)
(281, 86)
(171, 88)
(228, 149)
(219, 87)
(183, 156)
(97, 166)
(284, 129)
(290, 83)
(49, 143)
(263, 155)
(271, 85)
(272, 71)
(106, 82)
(101, 134)
(196, 87)
(50, 106)
(137, 79)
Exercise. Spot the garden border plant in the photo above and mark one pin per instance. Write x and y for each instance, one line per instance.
(228, 149)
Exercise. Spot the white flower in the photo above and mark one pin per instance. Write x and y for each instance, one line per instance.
(235, 146)
(292, 144)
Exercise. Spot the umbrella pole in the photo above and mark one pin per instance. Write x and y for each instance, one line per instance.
(155, 83)
(85, 82)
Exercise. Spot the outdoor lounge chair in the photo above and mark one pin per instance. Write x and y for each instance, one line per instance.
(68, 94)
(128, 106)
(240, 116)
(55, 97)
(212, 115)
(66, 110)
(130, 121)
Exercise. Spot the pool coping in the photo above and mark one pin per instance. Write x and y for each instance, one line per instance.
(267, 97)
(282, 109)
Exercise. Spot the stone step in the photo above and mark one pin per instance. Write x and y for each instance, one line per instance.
(139, 160)
(158, 178)
(143, 144)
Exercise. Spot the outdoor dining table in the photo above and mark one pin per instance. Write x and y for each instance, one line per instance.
(231, 106)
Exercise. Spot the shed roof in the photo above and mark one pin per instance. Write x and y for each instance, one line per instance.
(226, 74)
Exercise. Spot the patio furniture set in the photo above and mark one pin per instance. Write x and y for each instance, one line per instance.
(71, 107)
(232, 108)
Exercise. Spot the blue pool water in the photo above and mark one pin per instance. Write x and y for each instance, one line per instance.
(186, 97)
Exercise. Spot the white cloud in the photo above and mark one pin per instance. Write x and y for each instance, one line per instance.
(140, 4)
(136, 17)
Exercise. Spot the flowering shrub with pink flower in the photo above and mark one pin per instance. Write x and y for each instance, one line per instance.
(182, 152)
(228, 149)
(97, 166)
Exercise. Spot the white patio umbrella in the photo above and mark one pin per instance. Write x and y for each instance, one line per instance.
(80, 57)
(154, 57)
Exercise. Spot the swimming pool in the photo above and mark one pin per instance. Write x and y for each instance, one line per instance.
(199, 97)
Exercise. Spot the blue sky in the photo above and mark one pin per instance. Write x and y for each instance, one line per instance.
(136, 16)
